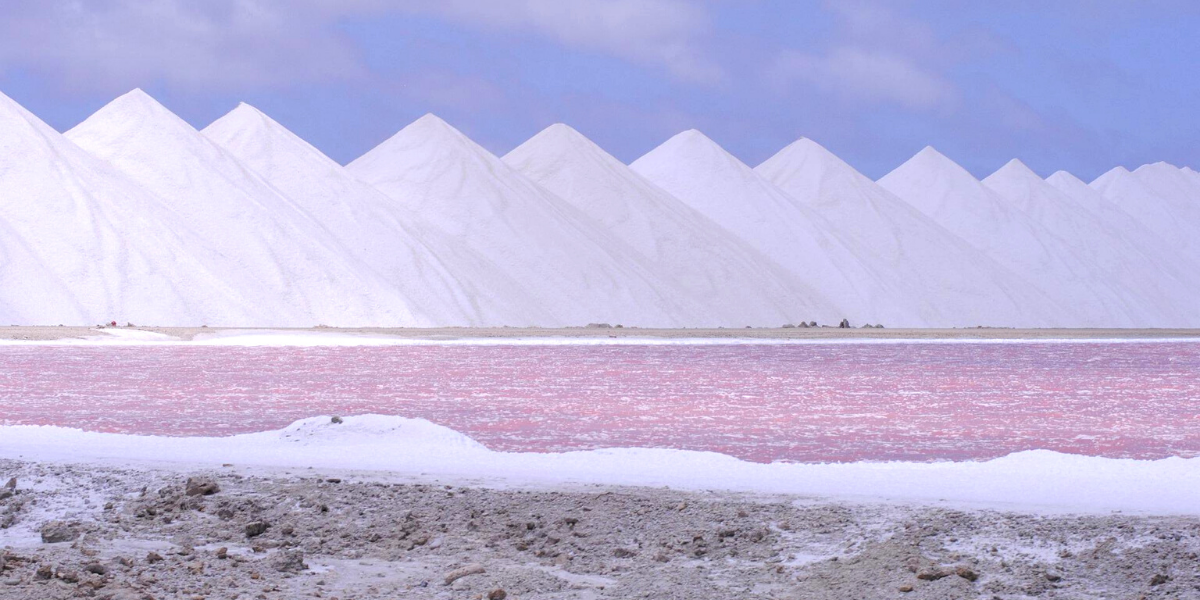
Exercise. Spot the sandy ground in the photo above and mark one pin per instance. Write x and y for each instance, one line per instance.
(134, 533)
(40, 333)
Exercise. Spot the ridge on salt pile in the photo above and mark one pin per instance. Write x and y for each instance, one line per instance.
(699, 172)
(736, 284)
(962, 285)
(80, 243)
(1152, 244)
(447, 284)
(577, 271)
(1162, 198)
(1114, 257)
(944, 191)
(300, 275)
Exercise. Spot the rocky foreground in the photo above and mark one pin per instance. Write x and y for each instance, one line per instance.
(70, 531)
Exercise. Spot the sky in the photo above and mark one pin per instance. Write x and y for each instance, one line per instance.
(1081, 85)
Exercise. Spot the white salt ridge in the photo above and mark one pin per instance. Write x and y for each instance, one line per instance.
(443, 283)
(80, 243)
(962, 285)
(1146, 283)
(699, 172)
(576, 271)
(734, 283)
(950, 195)
(1161, 197)
(1036, 481)
(1174, 267)
(294, 273)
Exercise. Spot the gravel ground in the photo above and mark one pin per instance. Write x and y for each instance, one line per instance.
(70, 531)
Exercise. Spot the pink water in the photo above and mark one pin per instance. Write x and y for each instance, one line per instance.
(758, 402)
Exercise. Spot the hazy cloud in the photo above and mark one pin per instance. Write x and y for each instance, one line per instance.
(869, 75)
(114, 44)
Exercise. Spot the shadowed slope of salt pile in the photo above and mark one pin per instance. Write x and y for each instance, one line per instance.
(294, 271)
(1164, 199)
(1149, 285)
(946, 192)
(577, 271)
(80, 243)
(735, 284)
(445, 283)
(699, 172)
(962, 285)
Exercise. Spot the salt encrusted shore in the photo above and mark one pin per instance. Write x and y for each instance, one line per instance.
(125, 533)
(52, 333)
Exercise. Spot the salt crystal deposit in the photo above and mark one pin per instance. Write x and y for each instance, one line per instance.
(951, 196)
(298, 274)
(80, 243)
(442, 282)
(1164, 199)
(576, 271)
(696, 170)
(1150, 287)
(962, 284)
(134, 216)
(702, 259)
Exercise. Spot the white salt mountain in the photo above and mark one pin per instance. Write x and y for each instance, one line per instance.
(1166, 255)
(961, 285)
(577, 271)
(735, 284)
(1164, 199)
(950, 195)
(81, 244)
(1118, 258)
(699, 172)
(292, 269)
(447, 284)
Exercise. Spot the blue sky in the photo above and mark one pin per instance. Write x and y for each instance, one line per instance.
(1068, 84)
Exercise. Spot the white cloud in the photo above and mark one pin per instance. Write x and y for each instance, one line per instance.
(875, 55)
(661, 33)
(870, 75)
(118, 43)
(113, 44)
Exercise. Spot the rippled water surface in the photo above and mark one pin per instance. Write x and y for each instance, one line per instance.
(803, 402)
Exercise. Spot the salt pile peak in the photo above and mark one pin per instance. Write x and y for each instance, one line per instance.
(1109, 254)
(80, 243)
(736, 284)
(1160, 197)
(577, 271)
(292, 270)
(698, 171)
(950, 195)
(962, 284)
(444, 284)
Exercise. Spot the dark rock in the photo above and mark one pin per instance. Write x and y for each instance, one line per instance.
(289, 561)
(256, 529)
(624, 552)
(966, 573)
(497, 594)
(201, 486)
(44, 572)
(55, 532)
(933, 574)
(222, 553)
(153, 557)
(336, 420)
(1159, 579)
(845, 324)
(96, 568)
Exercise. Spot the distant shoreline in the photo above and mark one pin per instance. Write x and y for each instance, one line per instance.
(51, 333)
